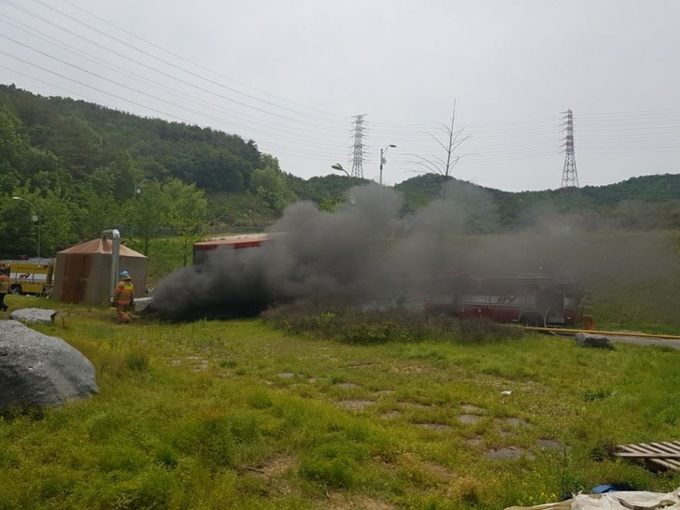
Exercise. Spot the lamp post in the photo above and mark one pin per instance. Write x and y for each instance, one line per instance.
(137, 189)
(339, 168)
(37, 216)
(383, 154)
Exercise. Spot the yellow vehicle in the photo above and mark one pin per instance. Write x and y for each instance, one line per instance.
(30, 276)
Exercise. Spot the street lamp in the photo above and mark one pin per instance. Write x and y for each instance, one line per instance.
(137, 189)
(339, 168)
(383, 154)
(37, 216)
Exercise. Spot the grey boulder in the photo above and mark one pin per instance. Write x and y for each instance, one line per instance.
(37, 369)
(33, 315)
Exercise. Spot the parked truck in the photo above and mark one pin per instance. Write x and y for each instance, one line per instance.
(33, 276)
(529, 299)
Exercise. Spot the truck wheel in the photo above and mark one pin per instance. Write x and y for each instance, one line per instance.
(15, 289)
(533, 321)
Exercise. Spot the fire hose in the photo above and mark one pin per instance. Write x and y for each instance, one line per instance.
(596, 332)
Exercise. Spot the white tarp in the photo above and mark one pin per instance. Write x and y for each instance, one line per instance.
(623, 500)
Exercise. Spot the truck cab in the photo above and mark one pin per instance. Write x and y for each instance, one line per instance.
(33, 276)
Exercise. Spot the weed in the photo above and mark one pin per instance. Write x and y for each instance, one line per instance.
(598, 394)
(137, 361)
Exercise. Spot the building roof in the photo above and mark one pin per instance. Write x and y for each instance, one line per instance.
(103, 247)
(244, 239)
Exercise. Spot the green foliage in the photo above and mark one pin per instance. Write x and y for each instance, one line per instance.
(372, 326)
(186, 213)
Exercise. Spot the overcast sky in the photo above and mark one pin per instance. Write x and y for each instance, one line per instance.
(291, 74)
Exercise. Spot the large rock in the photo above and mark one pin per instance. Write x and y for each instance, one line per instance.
(33, 315)
(37, 369)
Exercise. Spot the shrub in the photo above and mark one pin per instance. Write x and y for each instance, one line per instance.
(373, 326)
(486, 330)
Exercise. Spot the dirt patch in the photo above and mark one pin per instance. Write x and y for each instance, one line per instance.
(475, 441)
(509, 453)
(348, 385)
(548, 444)
(516, 422)
(199, 365)
(355, 405)
(471, 409)
(286, 375)
(410, 370)
(276, 466)
(469, 418)
(437, 427)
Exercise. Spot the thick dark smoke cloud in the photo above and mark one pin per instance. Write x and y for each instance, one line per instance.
(313, 254)
(360, 253)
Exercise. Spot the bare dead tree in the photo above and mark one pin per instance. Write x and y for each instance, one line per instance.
(450, 141)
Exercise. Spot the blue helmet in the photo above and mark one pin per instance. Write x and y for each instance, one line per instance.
(124, 274)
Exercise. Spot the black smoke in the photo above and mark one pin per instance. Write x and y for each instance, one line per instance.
(312, 254)
(363, 252)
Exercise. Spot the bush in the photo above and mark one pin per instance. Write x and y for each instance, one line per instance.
(372, 326)
(485, 330)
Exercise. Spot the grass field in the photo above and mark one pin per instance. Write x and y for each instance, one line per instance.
(240, 415)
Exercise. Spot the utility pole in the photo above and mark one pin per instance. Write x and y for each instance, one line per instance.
(358, 146)
(382, 159)
(569, 174)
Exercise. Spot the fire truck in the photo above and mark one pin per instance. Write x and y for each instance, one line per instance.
(236, 242)
(33, 276)
(529, 299)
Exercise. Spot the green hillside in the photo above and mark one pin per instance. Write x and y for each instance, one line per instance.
(82, 168)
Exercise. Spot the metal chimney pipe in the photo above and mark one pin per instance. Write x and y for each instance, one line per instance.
(114, 235)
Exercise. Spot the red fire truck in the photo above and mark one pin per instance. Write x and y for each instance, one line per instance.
(529, 299)
(235, 242)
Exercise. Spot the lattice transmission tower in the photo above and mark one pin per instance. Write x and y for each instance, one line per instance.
(569, 173)
(358, 130)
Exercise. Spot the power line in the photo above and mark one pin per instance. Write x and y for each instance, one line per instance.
(196, 64)
(154, 69)
(173, 65)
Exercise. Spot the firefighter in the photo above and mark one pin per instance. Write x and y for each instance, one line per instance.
(124, 298)
(4, 287)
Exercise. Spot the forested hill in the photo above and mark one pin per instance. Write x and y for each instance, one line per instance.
(646, 202)
(77, 138)
(82, 168)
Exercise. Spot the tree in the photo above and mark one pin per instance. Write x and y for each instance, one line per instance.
(269, 184)
(450, 141)
(146, 213)
(187, 212)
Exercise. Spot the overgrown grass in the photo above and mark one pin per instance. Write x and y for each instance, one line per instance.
(240, 415)
(373, 326)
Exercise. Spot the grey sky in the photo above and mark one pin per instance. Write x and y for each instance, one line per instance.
(304, 67)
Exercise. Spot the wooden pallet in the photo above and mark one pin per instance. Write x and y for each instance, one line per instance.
(655, 455)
